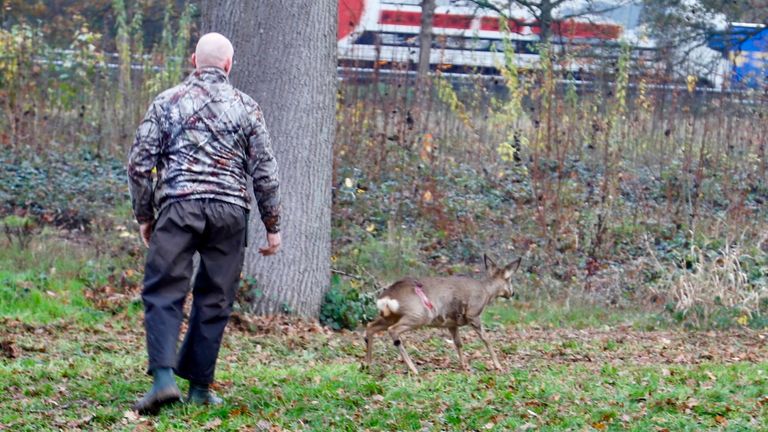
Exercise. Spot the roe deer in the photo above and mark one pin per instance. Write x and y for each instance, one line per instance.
(448, 302)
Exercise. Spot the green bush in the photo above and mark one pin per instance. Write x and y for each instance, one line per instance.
(18, 230)
(64, 190)
(381, 258)
(345, 306)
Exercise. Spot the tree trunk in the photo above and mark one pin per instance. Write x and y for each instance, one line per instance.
(285, 58)
(545, 20)
(425, 37)
(425, 49)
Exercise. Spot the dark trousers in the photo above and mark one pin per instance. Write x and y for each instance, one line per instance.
(216, 230)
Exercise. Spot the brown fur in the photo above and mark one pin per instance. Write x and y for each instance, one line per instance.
(457, 301)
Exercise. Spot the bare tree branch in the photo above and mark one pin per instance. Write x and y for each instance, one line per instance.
(543, 12)
(486, 4)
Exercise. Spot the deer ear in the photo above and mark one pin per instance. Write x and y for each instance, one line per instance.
(512, 267)
(490, 266)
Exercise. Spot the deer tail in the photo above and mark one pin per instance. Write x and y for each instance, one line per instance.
(387, 306)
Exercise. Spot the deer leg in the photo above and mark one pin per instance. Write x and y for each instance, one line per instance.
(478, 326)
(395, 331)
(457, 343)
(371, 329)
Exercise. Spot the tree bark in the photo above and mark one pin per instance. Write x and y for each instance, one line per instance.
(285, 58)
(425, 37)
(545, 20)
(425, 50)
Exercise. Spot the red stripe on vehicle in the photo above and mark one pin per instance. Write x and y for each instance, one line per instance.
(492, 24)
(451, 21)
(462, 22)
(584, 30)
(489, 24)
(569, 29)
(393, 17)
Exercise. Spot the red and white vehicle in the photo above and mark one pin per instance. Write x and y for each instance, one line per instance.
(385, 33)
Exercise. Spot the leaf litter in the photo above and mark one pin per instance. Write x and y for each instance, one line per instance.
(284, 341)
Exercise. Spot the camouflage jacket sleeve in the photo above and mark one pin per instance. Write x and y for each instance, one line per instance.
(142, 159)
(262, 167)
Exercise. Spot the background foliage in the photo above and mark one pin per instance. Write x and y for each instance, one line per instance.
(634, 191)
(637, 203)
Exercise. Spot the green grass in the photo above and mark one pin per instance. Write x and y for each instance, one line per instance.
(64, 365)
(34, 298)
(45, 282)
(579, 316)
(87, 377)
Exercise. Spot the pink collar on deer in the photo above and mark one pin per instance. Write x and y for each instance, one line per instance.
(420, 292)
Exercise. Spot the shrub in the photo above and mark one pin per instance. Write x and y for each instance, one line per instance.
(345, 306)
(65, 190)
(18, 230)
(719, 289)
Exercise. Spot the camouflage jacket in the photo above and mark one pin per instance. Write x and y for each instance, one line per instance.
(203, 137)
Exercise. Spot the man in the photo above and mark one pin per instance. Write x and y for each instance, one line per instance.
(203, 138)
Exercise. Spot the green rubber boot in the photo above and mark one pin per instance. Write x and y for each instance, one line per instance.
(201, 394)
(164, 392)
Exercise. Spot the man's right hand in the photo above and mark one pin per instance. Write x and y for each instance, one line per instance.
(145, 230)
(273, 244)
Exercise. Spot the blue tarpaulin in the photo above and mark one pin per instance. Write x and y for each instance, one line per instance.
(746, 46)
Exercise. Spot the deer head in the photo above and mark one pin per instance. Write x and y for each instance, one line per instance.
(501, 276)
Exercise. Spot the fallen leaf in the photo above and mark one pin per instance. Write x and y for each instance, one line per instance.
(239, 411)
(9, 349)
(131, 416)
(213, 424)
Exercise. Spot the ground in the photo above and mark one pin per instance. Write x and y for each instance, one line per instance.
(287, 374)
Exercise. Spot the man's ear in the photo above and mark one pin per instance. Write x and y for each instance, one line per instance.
(193, 60)
(228, 65)
(490, 266)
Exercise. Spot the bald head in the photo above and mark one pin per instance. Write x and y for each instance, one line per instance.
(213, 49)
